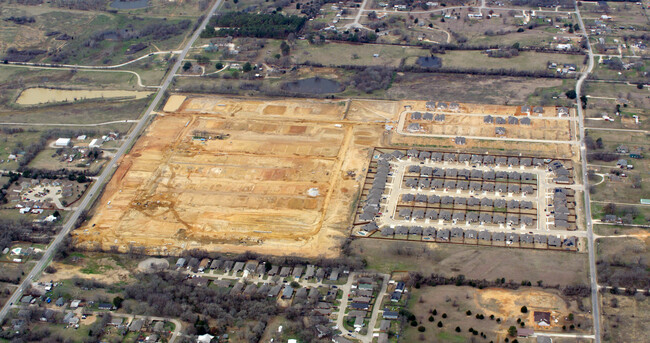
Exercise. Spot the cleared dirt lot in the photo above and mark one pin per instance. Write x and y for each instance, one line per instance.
(233, 175)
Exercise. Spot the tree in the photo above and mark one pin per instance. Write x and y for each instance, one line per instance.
(117, 302)
(458, 329)
(571, 94)
(512, 331)
(639, 86)
(219, 65)
(285, 48)
(56, 214)
(571, 316)
(187, 66)
(414, 323)
(431, 319)
(440, 324)
(444, 315)
(524, 309)
(421, 328)
(469, 313)
(247, 67)
(294, 284)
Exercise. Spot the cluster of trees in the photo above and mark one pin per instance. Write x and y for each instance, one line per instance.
(373, 78)
(240, 24)
(24, 230)
(543, 3)
(168, 294)
(16, 55)
(503, 53)
(84, 5)
(22, 20)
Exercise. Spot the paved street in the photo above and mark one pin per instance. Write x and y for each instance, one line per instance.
(595, 301)
(106, 173)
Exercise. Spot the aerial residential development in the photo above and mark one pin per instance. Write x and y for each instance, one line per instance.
(324, 171)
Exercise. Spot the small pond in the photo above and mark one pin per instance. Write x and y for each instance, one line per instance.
(313, 85)
(129, 4)
(429, 62)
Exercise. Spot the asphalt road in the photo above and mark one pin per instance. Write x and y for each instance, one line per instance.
(106, 173)
(583, 151)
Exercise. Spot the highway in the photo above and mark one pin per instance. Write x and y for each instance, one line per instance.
(583, 151)
(106, 173)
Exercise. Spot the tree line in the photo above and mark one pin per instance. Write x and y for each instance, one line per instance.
(240, 24)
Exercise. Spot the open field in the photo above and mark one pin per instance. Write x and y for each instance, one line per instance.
(499, 90)
(473, 262)
(275, 185)
(93, 37)
(625, 318)
(503, 304)
(530, 61)
(86, 112)
(622, 261)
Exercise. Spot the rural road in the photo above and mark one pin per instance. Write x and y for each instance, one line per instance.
(83, 69)
(583, 151)
(106, 173)
(54, 65)
(97, 124)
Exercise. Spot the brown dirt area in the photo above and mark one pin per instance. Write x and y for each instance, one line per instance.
(248, 192)
(277, 183)
(67, 271)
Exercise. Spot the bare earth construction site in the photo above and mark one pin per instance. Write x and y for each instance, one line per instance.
(270, 176)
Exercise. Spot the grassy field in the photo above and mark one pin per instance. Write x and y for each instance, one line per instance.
(348, 54)
(474, 262)
(77, 23)
(468, 88)
(85, 112)
(531, 61)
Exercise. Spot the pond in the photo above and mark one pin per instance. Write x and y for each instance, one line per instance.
(38, 95)
(313, 85)
(129, 4)
(429, 62)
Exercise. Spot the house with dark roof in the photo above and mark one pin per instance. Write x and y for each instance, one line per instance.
(442, 235)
